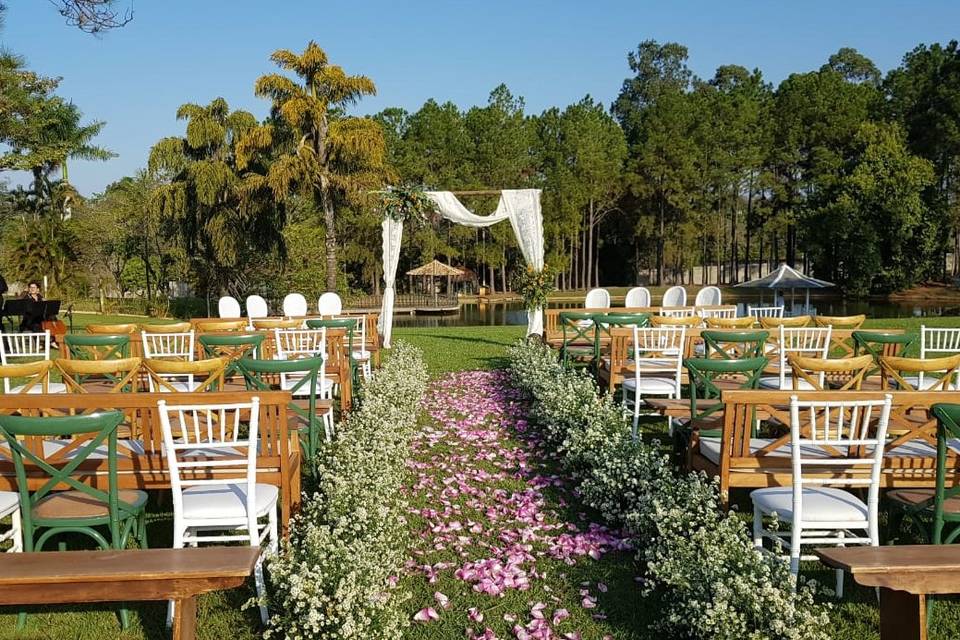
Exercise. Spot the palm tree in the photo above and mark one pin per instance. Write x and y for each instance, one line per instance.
(223, 215)
(318, 150)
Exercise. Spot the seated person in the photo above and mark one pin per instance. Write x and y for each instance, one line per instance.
(33, 315)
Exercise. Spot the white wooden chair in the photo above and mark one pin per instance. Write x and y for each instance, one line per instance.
(19, 348)
(657, 367)
(936, 341)
(708, 297)
(171, 346)
(716, 313)
(597, 299)
(818, 514)
(765, 312)
(360, 353)
(10, 506)
(294, 305)
(676, 296)
(208, 507)
(329, 304)
(811, 342)
(256, 308)
(637, 297)
(294, 344)
(228, 307)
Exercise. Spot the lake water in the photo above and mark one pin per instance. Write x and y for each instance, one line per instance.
(513, 313)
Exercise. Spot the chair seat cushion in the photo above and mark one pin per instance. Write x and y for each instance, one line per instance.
(9, 502)
(798, 384)
(651, 384)
(361, 355)
(820, 504)
(52, 387)
(914, 497)
(322, 386)
(76, 504)
(226, 501)
(180, 386)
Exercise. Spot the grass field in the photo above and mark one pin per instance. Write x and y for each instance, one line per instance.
(445, 349)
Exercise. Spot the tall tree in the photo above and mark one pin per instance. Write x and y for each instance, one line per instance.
(222, 211)
(319, 151)
(655, 112)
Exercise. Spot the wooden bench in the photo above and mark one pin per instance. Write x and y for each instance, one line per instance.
(69, 577)
(740, 460)
(140, 463)
(905, 575)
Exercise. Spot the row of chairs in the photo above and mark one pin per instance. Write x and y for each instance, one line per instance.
(211, 454)
(294, 305)
(639, 297)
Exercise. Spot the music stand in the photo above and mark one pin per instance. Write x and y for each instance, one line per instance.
(14, 307)
(50, 309)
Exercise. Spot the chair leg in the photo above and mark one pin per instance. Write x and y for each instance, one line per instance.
(261, 588)
(795, 551)
(178, 533)
(839, 572)
(757, 528)
(17, 532)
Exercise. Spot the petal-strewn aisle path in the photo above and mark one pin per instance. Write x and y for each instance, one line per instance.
(502, 548)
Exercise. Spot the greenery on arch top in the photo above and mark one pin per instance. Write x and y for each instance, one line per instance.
(408, 203)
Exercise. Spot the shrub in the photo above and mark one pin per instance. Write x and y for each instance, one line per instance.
(335, 578)
(699, 558)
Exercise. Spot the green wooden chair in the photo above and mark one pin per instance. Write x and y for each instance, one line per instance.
(707, 379)
(309, 376)
(940, 507)
(879, 343)
(97, 347)
(734, 345)
(48, 511)
(232, 347)
(578, 346)
(349, 325)
(605, 322)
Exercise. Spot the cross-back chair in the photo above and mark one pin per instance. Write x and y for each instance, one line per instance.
(804, 341)
(578, 335)
(734, 345)
(29, 377)
(113, 329)
(745, 322)
(172, 327)
(231, 347)
(841, 322)
(100, 376)
(97, 347)
(183, 376)
(932, 374)
(793, 322)
(846, 374)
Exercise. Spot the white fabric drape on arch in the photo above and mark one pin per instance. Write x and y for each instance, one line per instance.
(520, 206)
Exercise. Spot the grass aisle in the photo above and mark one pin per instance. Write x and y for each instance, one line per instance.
(502, 547)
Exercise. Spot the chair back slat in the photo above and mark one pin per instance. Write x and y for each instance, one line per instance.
(24, 346)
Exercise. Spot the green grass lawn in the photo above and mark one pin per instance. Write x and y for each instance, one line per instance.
(445, 349)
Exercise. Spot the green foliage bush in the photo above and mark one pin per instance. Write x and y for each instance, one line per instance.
(336, 576)
(696, 557)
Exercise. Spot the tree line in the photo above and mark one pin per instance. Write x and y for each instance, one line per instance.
(843, 171)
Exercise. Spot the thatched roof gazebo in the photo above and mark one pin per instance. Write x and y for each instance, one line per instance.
(430, 271)
(435, 269)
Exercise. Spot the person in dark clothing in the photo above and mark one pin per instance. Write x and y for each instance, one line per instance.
(33, 315)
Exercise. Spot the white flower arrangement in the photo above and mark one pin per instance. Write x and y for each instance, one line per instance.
(697, 558)
(335, 578)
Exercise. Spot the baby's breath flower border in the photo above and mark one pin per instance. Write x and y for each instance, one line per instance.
(698, 558)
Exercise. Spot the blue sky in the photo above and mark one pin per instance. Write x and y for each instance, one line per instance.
(551, 53)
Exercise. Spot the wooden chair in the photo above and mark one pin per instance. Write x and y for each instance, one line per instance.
(221, 325)
(841, 322)
(269, 324)
(796, 322)
(173, 327)
(675, 321)
(100, 376)
(846, 373)
(49, 510)
(941, 505)
(733, 345)
(29, 377)
(657, 357)
(948, 368)
(708, 377)
(208, 505)
(879, 344)
(808, 341)
(714, 322)
(121, 328)
(178, 376)
(817, 513)
(20, 347)
(726, 313)
(97, 346)
(307, 377)
(232, 347)
(578, 332)
(775, 311)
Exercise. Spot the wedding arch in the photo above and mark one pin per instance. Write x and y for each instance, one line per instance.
(520, 206)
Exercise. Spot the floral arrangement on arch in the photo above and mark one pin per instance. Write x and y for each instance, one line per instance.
(408, 203)
(534, 286)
